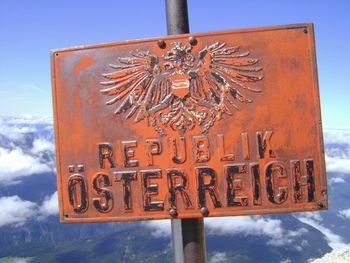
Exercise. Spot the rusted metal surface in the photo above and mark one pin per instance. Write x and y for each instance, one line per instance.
(188, 126)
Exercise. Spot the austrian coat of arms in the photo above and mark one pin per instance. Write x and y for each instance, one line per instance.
(179, 89)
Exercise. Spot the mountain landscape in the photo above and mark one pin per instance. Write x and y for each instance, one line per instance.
(30, 231)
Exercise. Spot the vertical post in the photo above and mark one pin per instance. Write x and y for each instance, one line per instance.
(177, 17)
(176, 234)
(187, 234)
(193, 240)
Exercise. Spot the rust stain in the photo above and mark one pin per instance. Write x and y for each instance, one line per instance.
(224, 125)
(83, 63)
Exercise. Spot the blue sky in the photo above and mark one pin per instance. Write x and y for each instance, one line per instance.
(30, 29)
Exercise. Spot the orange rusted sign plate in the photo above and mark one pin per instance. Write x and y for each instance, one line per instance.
(209, 124)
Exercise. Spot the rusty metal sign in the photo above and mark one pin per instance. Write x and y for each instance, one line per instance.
(210, 124)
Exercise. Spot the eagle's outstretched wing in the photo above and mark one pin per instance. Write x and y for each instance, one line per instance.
(136, 85)
(224, 76)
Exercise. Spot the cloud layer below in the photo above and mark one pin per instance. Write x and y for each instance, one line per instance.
(314, 219)
(26, 148)
(240, 225)
(15, 164)
(16, 212)
(337, 145)
(345, 214)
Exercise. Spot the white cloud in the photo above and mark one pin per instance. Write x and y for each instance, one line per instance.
(49, 206)
(246, 225)
(337, 148)
(26, 147)
(314, 219)
(16, 127)
(341, 255)
(300, 247)
(240, 225)
(20, 260)
(337, 165)
(218, 257)
(336, 180)
(40, 145)
(28, 119)
(14, 133)
(254, 226)
(160, 228)
(344, 213)
(31, 87)
(314, 216)
(336, 136)
(15, 211)
(15, 164)
(17, 260)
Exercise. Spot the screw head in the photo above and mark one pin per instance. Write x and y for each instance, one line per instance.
(305, 31)
(172, 212)
(319, 205)
(80, 168)
(192, 40)
(204, 211)
(71, 168)
(161, 43)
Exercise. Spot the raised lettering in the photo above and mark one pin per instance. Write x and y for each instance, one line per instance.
(245, 146)
(235, 194)
(276, 182)
(264, 144)
(177, 183)
(178, 150)
(201, 145)
(309, 166)
(297, 181)
(153, 147)
(77, 191)
(150, 190)
(129, 153)
(221, 149)
(105, 152)
(126, 177)
(256, 184)
(104, 202)
(303, 185)
(202, 173)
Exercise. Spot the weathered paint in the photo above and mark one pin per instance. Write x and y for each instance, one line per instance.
(216, 124)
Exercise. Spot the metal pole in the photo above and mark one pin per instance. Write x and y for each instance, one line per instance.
(176, 233)
(193, 240)
(177, 17)
(187, 234)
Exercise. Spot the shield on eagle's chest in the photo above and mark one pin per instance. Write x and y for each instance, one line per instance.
(180, 85)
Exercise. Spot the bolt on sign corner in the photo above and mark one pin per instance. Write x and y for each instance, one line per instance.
(187, 126)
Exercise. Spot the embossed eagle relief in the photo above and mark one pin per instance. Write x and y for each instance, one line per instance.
(180, 90)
